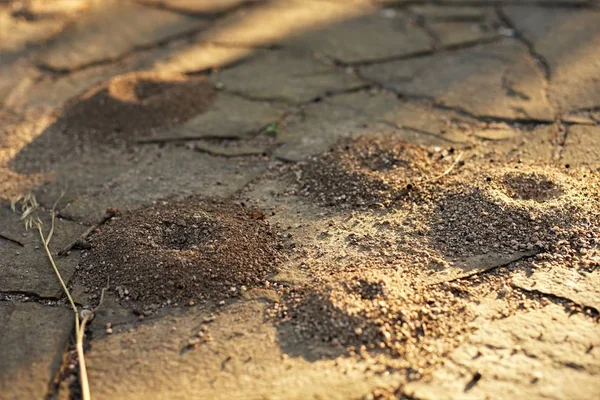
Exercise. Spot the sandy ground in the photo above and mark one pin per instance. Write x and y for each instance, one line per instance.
(302, 199)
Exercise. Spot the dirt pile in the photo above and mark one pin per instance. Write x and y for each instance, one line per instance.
(375, 313)
(182, 252)
(386, 304)
(132, 105)
(514, 207)
(370, 171)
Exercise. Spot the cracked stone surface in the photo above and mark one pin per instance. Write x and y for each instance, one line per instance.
(580, 286)
(26, 268)
(32, 339)
(581, 146)
(502, 72)
(151, 175)
(270, 23)
(132, 356)
(375, 36)
(197, 6)
(542, 354)
(94, 38)
(318, 126)
(218, 121)
(286, 76)
(568, 41)
(276, 84)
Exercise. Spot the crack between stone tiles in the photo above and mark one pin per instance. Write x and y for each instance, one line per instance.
(156, 45)
(539, 60)
(420, 21)
(108, 61)
(31, 297)
(588, 311)
(462, 112)
(421, 53)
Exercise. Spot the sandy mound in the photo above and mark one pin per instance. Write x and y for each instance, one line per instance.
(134, 104)
(181, 252)
(512, 208)
(370, 171)
(388, 304)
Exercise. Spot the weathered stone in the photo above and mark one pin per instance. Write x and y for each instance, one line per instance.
(27, 268)
(496, 79)
(540, 354)
(578, 286)
(230, 116)
(582, 146)
(198, 6)
(32, 339)
(568, 41)
(460, 33)
(158, 174)
(232, 364)
(436, 13)
(320, 125)
(496, 134)
(202, 57)
(412, 115)
(111, 30)
(284, 75)
(17, 34)
(474, 265)
(272, 22)
(56, 8)
(540, 144)
(373, 36)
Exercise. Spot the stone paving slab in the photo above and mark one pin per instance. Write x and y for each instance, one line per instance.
(171, 172)
(18, 34)
(539, 354)
(26, 268)
(376, 35)
(219, 120)
(285, 76)
(581, 287)
(320, 125)
(502, 72)
(197, 6)
(32, 340)
(568, 42)
(270, 23)
(227, 367)
(111, 30)
(581, 146)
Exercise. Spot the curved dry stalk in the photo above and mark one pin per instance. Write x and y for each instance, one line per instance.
(79, 330)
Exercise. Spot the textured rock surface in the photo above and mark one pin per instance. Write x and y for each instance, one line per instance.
(32, 340)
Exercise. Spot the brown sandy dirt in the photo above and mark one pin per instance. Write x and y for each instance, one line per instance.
(382, 302)
(182, 253)
(134, 105)
(371, 171)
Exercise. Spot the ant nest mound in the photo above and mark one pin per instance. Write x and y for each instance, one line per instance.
(370, 171)
(131, 105)
(510, 208)
(182, 252)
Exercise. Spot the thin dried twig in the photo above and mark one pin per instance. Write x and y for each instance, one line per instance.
(447, 171)
(79, 330)
(110, 213)
(53, 213)
(28, 207)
